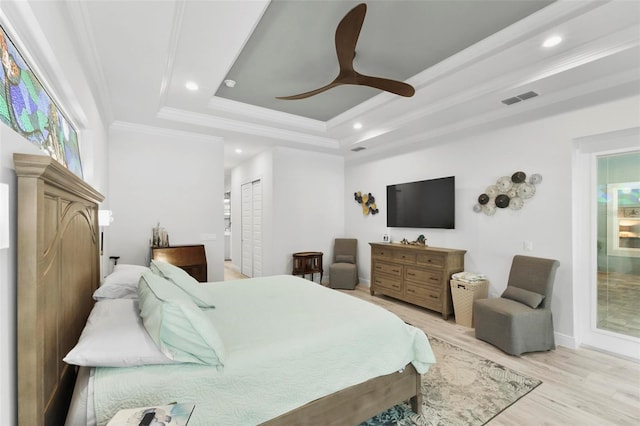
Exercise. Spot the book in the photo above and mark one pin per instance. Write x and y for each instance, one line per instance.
(160, 415)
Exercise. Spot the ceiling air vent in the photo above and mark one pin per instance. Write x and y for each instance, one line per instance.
(510, 101)
(522, 97)
(527, 95)
(358, 148)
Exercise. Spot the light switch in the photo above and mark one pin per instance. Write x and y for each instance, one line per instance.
(528, 246)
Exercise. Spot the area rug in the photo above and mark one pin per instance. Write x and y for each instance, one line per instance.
(462, 388)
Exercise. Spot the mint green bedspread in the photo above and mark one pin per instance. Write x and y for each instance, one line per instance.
(287, 342)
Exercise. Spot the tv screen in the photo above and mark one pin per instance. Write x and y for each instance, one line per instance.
(424, 204)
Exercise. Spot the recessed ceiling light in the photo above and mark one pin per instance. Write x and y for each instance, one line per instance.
(230, 83)
(238, 151)
(191, 86)
(357, 126)
(552, 41)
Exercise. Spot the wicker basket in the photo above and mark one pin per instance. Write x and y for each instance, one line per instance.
(463, 294)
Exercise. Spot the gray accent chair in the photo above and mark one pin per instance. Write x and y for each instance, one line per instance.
(520, 320)
(343, 273)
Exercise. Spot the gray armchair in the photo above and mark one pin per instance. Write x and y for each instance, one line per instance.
(343, 273)
(520, 320)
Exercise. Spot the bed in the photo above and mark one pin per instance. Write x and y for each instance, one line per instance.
(55, 302)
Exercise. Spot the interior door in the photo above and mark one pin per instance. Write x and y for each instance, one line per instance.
(256, 234)
(252, 229)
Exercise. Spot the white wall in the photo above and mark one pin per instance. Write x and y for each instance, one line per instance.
(308, 192)
(175, 178)
(39, 32)
(302, 205)
(544, 147)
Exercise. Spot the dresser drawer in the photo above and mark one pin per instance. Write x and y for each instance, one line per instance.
(388, 283)
(388, 268)
(424, 292)
(431, 260)
(381, 253)
(423, 276)
(404, 257)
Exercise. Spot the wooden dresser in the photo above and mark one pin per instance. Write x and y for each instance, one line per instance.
(190, 258)
(415, 274)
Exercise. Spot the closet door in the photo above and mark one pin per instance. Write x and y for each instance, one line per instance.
(252, 229)
(256, 233)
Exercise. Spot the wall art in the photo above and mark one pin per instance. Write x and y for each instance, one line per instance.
(508, 191)
(27, 108)
(367, 201)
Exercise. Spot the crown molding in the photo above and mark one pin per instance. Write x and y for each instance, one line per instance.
(220, 123)
(81, 24)
(573, 93)
(161, 131)
(174, 38)
(535, 23)
(218, 104)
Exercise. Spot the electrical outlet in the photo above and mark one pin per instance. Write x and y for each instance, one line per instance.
(528, 246)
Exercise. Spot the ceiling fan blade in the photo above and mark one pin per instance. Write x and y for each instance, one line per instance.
(347, 35)
(392, 86)
(311, 93)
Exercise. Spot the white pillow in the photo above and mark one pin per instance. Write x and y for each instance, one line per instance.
(121, 283)
(114, 336)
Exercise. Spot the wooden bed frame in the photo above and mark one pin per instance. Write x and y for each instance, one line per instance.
(58, 271)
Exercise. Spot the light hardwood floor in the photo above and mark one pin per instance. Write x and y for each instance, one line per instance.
(579, 387)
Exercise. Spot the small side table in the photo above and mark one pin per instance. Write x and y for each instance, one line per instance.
(307, 262)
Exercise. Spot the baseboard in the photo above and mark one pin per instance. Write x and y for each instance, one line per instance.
(566, 341)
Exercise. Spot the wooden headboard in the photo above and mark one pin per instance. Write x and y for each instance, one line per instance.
(58, 270)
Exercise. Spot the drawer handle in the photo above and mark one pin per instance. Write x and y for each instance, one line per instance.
(434, 279)
(411, 274)
(432, 296)
(378, 267)
(410, 290)
(395, 270)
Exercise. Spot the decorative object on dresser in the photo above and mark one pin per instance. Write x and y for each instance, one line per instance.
(420, 241)
(307, 262)
(415, 274)
(159, 237)
(191, 258)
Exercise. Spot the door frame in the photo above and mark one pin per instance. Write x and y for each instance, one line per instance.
(584, 231)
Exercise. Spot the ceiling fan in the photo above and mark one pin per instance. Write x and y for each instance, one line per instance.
(346, 38)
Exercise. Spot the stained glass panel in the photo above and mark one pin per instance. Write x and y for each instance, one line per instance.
(27, 108)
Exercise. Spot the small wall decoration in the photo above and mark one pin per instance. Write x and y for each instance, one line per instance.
(27, 108)
(367, 201)
(508, 191)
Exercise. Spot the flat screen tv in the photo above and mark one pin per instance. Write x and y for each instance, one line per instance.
(423, 204)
